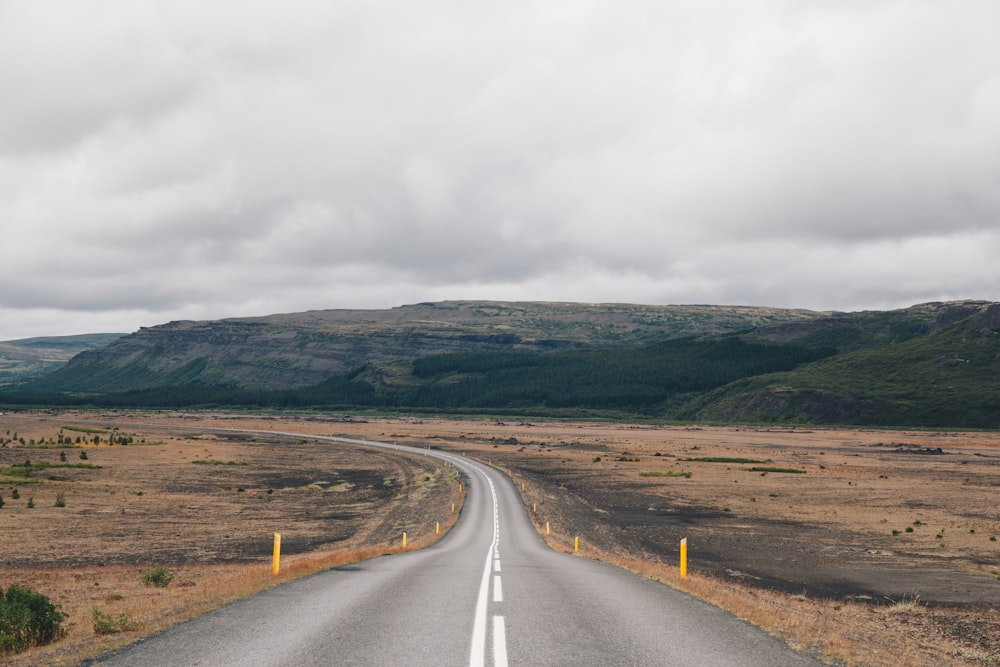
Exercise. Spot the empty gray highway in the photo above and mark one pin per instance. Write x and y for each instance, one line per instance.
(489, 593)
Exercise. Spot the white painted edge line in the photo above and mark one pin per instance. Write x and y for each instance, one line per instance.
(477, 654)
(499, 642)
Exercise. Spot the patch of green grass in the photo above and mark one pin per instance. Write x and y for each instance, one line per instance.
(219, 463)
(106, 624)
(20, 473)
(722, 459)
(84, 429)
(666, 473)
(794, 471)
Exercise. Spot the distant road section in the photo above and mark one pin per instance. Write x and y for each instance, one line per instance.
(490, 593)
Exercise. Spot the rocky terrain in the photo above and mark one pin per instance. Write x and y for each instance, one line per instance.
(930, 365)
(302, 349)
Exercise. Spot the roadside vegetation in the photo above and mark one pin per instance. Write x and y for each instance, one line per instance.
(27, 618)
(948, 378)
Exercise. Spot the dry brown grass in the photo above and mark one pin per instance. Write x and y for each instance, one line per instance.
(841, 633)
(107, 517)
(855, 484)
(195, 590)
(902, 632)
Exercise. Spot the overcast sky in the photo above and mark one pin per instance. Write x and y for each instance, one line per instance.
(198, 160)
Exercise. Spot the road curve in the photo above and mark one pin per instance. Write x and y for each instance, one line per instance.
(491, 592)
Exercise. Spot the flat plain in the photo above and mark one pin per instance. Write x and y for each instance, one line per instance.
(861, 546)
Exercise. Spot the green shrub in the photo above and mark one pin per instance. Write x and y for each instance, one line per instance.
(666, 473)
(158, 576)
(106, 624)
(722, 459)
(60, 499)
(27, 618)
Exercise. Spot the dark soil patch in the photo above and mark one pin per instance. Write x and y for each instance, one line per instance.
(787, 556)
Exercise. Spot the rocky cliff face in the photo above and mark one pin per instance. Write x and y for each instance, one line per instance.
(302, 349)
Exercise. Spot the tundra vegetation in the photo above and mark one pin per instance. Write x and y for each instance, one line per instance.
(765, 547)
(932, 365)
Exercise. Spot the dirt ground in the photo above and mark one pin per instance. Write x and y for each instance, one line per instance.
(178, 496)
(203, 504)
(831, 513)
(866, 516)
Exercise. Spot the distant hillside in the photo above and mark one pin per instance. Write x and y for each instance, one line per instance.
(302, 349)
(944, 373)
(931, 365)
(29, 358)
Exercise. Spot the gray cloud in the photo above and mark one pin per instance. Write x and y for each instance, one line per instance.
(190, 160)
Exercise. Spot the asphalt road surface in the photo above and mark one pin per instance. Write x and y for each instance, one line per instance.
(489, 593)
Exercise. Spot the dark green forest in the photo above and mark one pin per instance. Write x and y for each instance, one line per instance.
(642, 381)
(933, 365)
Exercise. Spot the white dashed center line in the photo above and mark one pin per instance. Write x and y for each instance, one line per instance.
(477, 657)
(499, 642)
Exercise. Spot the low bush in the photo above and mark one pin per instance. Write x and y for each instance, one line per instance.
(27, 618)
(722, 459)
(666, 473)
(158, 576)
(106, 624)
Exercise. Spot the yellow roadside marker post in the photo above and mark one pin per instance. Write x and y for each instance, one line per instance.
(276, 562)
(684, 558)
(404, 540)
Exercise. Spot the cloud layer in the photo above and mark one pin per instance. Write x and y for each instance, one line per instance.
(167, 160)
